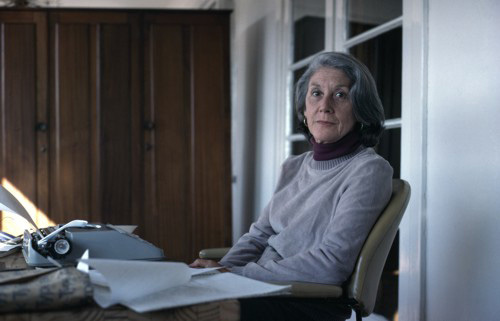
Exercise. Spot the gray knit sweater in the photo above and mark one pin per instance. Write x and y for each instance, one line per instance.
(317, 220)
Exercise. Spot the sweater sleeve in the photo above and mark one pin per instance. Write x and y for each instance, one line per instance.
(332, 260)
(251, 245)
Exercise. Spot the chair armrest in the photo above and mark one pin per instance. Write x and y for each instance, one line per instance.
(312, 290)
(214, 253)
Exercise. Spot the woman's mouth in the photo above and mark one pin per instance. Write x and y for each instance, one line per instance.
(325, 122)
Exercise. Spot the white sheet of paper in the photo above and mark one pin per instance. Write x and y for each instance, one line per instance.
(10, 204)
(129, 280)
(146, 286)
(82, 266)
(97, 278)
(203, 289)
(203, 271)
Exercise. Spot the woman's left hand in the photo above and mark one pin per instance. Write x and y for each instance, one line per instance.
(203, 263)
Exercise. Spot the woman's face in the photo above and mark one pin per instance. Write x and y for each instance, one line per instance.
(328, 105)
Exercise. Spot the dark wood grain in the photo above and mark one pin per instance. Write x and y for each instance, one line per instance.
(42, 117)
(138, 115)
(211, 163)
(70, 122)
(215, 311)
(188, 169)
(103, 124)
(18, 102)
(167, 169)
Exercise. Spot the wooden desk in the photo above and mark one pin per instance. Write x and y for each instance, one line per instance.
(215, 311)
(227, 310)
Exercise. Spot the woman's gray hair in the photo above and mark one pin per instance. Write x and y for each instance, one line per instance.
(367, 107)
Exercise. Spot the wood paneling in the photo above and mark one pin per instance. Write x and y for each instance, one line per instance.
(139, 127)
(188, 165)
(96, 116)
(168, 145)
(70, 122)
(19, 105)
(118, 123)
(210, 160)
(23, 160)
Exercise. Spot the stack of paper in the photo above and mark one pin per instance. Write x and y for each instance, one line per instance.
(146, 286)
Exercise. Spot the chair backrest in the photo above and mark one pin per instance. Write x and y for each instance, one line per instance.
(363, 284)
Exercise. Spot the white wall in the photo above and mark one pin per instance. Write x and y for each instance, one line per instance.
(463, 205)
(255, 42)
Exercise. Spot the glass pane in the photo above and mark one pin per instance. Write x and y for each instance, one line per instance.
(300, 147)
(383, 56)
(295, 121)
(363, 15)
(308, 28)
(389, 148)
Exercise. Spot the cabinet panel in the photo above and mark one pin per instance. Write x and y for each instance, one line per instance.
(95, 137)
(118, 129)
(188, 167)
(18, 106)
(70, 123)
(210, 129)
(168, 170)
(22, 105)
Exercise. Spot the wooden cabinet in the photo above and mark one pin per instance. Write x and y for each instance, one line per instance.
(125, 119)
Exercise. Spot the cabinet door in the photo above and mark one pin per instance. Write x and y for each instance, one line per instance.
(23, 105)
(95, 117)
(187, 159)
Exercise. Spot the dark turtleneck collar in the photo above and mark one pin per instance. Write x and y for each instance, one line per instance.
(346, 145)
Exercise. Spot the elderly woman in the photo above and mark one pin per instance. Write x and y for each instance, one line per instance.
(326, 200)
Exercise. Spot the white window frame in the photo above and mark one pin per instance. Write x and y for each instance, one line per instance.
(412, 235)
(413, 124)
(336, 41)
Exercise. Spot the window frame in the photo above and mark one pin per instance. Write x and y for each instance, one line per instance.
(335, 40)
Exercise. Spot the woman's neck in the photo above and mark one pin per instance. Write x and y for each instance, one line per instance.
(346, 145)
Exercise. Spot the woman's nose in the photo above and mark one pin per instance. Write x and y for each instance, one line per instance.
(326, 106)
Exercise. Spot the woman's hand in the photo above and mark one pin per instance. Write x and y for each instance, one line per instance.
(203, 263)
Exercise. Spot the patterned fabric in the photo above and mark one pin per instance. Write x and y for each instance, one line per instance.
(215, 311)
(26, 289)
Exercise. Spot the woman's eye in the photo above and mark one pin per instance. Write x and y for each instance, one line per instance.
(315, 93)
(340, 95)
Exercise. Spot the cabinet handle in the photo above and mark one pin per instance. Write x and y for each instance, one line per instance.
(149, 125)
(41, 127)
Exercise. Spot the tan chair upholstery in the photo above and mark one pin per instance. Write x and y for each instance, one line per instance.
(360, 291)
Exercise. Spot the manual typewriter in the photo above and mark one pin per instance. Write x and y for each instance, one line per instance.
(64, 244)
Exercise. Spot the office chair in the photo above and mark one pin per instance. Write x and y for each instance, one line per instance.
(360, 290)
